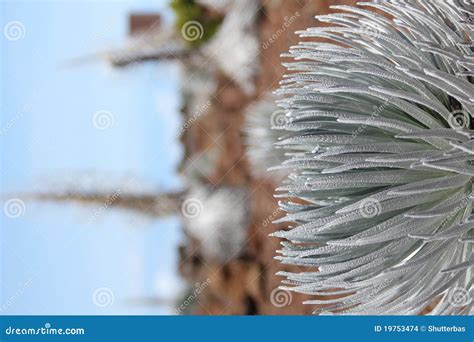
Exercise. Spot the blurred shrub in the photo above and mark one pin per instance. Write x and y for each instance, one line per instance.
(189, 10)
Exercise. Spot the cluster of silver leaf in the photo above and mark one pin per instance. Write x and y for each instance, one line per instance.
(381, 161)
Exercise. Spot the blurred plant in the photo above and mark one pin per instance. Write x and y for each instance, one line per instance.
(200, 167)
(197, 92)
(379, 123)
(217, 217)
(235, 47)
(158, 44)
(153, 205)
(187, 11)
(216, 5)
(264, 121)
(205, 42)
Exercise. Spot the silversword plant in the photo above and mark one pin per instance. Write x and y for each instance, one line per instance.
(379, 200)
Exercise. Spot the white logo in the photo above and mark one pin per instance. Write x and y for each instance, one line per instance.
(459, 119)
(192, 30)
(280, 298)
(278, 118)
(192, 208)
(103, 119)
(103, 297)
(14, 208)
(14, 30)
(369, 208)
(459, 297)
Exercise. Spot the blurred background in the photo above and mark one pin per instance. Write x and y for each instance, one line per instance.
(135, 143)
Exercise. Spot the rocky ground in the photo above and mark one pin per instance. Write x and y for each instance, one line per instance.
(244, 286)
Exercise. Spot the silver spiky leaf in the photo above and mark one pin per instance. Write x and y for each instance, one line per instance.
(379, 114)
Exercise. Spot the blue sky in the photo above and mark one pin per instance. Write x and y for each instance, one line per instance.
(52, 258)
